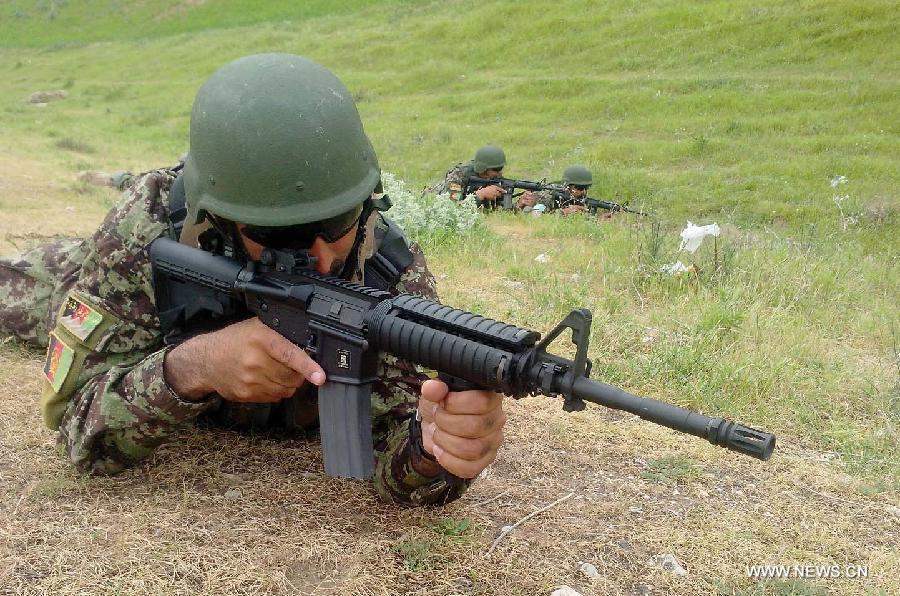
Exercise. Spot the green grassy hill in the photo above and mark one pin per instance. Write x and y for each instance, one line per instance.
(744, 110)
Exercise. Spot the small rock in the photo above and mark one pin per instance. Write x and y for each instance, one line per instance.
(565, 591)
(463, 582)
(669, 563)
(574, 278)
(588, 569)
(43, 97)
(642, 590)
(624, 545)
(542, 258)
(636, 509)
(233, 494)
(506, 529)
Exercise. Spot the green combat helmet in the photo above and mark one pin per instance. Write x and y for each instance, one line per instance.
(276, 140)
(489, 157)
(577, 175)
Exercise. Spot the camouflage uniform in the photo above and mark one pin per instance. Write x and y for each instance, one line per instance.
(454, 182)
(91, 302)
(550, 199)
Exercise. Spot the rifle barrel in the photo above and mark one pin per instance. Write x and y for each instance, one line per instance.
(718, 431)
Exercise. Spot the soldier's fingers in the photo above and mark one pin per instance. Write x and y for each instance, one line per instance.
(256, 394)
(470, 426)
(285, 389)
(433, 391)
(461, 467)
(472, 402)
(466, 449)
(283, 351)
(280, 374)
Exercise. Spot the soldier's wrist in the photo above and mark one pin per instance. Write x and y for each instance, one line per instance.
(183, 371)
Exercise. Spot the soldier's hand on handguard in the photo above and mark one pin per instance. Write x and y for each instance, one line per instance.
(462, 429)
(244, 362)
(489, 193)
(528, 199)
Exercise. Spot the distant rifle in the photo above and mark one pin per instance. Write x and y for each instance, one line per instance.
(345, 326)
(565, 199)
(508, 185)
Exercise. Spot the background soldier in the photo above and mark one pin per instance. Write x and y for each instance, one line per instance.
(488, 163)
(278, 158)
(576, 180)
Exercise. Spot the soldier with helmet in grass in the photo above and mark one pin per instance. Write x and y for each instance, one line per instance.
(278, 158)
(566, 199)
(488, 162)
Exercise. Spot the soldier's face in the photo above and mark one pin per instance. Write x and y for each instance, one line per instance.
(330, 256)
(492, 173)
(577, 191)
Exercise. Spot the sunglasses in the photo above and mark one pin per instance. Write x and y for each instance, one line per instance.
(303, 236)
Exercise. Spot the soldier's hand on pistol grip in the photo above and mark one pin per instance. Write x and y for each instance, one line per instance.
(243, 362)
(462, 429)
(489, 193)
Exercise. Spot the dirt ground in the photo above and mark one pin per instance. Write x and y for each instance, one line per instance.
(217, 512)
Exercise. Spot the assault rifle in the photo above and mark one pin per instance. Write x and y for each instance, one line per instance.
(508, 185)
(565, 199)
(344, 327)
(594, 204)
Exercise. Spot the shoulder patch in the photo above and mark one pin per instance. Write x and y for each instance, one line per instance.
(79, 318)
(59, 361)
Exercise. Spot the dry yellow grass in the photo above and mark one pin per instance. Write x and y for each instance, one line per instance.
(168, 527)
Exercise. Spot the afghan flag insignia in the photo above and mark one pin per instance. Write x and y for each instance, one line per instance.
(79, 318)
(59, 362)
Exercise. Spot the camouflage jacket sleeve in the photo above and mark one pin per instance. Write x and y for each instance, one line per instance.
(547, 198)
(401, 474)
(453, 183)
(105, 390)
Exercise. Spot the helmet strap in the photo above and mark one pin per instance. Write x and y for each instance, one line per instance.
(353, 267)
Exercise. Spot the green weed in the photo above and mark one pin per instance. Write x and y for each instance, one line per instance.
(69, 144)
(414, 555)
(670, 470)
(452, 527)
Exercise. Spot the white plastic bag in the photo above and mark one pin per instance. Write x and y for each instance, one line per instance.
(692, 236)
(676, 267)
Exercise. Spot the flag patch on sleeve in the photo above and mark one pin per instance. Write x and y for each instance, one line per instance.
(79, 319)
(59, 362)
